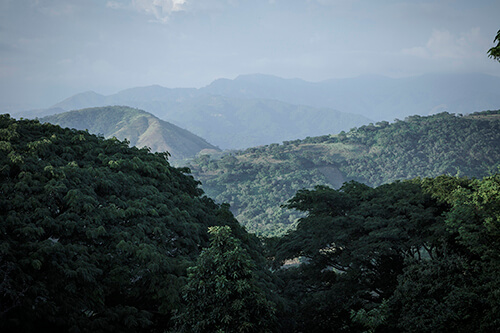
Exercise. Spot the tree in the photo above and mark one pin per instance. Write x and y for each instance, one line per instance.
(94, 236)
(457, 290)
(494, 52)
(412, 256)
(354, 243)
(474, 220)
(222, 293)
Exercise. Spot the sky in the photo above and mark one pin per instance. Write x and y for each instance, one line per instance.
(52, 49)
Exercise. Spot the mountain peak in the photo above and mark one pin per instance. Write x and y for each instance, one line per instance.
(87, 99)
(139, 127)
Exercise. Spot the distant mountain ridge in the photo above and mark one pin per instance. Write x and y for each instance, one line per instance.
(375, 97)
(253, 110)
(131, 96)
(232, 123)
(139, 127)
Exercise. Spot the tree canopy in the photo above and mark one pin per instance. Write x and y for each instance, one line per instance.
(95, 236)
(420, 255)
(99, 237)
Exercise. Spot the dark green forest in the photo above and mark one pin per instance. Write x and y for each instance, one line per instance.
(96, 236)
(256, 182)
(100, 237)
(413, 256)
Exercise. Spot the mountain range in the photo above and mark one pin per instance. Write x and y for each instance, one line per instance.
(227, 122)
(254, 110)
(139, 127)
(375, 97)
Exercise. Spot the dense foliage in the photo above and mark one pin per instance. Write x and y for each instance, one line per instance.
(257, 181)
(255, 191)
(413, 256)
(99, 237)
(94, 235)
(223, 293)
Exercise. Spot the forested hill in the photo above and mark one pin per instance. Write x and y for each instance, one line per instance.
(96, 236)
(257, 181)
(139, 127)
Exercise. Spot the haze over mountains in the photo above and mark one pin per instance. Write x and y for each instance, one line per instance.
(254, 110)
(375, 97)
(353, 185)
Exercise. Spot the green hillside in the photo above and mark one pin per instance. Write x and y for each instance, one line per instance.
(141, 128)
(257, 181)
(96, 236)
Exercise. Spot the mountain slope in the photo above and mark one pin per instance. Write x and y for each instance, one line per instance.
(137, 126)
(375, 97)
(257, 181)
(86, 99)
(131, 97)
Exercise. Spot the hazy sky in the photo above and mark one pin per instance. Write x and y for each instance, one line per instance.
(51, 49)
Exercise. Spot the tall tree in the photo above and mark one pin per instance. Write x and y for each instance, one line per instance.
(354, 243)
(222, 293)
(474, 220)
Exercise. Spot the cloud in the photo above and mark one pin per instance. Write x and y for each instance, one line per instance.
(115, 5)
(442, 44)
(160, 9)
